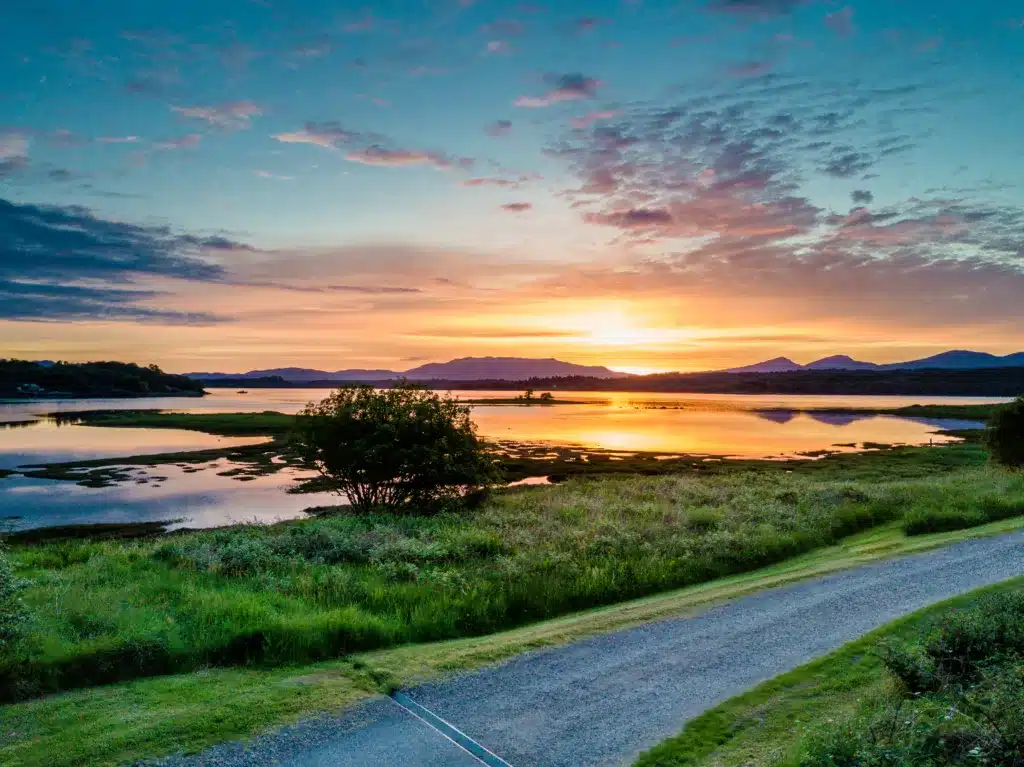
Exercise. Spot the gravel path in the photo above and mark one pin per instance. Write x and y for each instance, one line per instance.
(603, 700)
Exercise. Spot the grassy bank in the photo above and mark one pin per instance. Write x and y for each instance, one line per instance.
(301, 592)
(773, 724)
(186, 712)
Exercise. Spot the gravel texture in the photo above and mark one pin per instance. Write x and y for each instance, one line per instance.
(603, 700)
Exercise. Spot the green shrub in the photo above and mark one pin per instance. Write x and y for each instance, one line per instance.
(958, 698)
(400, 449)
(1005, 434)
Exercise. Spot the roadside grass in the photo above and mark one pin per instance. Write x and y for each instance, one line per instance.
(302, 592)
(187, 712)
(768, 725)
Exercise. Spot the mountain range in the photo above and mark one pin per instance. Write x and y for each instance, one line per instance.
(465, 369)
(521, 369)
(952, 360)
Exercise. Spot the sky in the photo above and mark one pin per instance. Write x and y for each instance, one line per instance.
(650, 185)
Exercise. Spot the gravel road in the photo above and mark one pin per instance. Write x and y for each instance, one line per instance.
(603, 700)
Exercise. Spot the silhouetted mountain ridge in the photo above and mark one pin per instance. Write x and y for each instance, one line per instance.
(957, 359)
(463, 369)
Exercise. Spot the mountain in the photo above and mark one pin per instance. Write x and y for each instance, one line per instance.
(506, 368)
(951, 360)
(465, 369)
(840, 362)
(961, 360)
(776, 365)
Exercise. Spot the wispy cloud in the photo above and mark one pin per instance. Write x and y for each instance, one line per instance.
(229, 116)
(399, 158)
(327, 135)
(517, 207)
(13, 153)
(589, 119)
(569, 87)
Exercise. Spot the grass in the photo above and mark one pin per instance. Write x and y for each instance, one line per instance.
(300, 592)
(767, 726)
(187, 712)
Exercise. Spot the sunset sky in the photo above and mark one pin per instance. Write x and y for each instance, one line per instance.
(650, 185)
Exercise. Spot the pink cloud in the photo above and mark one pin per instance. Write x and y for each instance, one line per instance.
(569, 87)
(188, 141)
(403, 158)
(517, 207)
(327, 135)
(587, 120)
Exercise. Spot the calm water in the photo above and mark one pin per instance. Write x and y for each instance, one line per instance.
(726, 425)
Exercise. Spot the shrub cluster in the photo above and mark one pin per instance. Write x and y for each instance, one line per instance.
(958, 698)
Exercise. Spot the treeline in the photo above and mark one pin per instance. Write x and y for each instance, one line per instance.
(985, 382)
(21, 378)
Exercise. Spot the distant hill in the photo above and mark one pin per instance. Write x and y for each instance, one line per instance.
(952, 360)
(465, 369)
(775, 365)
(962, 360)
(840, 362)
(509, 368)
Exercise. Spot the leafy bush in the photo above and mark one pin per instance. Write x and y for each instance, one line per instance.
(399, 449)
(1005, 434)
(958, 698)
(12, 609)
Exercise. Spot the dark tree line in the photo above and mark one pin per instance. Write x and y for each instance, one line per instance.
(21, 378)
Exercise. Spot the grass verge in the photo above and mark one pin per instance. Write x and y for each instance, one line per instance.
(765, 726)
(187, 712)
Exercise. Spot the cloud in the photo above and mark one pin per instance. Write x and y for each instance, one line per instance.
(188, 141)
(569, 87)
(753, 68)
(517, 207)
(46, 252)
(841, 21)
(373, 290)
(118, 140)
(588, 119)
(233, 115)
(272, 176)
(496, 47)
(846, 163)
(499, 128)
(512, 183)
(400, 158)
(35, 302)
(586, 24)
(13, 153)
(862, 196)
(756, 9)
(633, 218)
(327, 135)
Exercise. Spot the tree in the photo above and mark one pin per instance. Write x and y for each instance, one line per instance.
(546, 397)
(400, 449)
(1005, 434)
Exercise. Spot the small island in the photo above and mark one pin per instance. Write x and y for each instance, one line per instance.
(23, 379)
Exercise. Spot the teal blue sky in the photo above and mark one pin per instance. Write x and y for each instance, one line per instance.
(649, 185)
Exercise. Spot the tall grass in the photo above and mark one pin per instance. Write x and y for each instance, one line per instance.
(108, 611)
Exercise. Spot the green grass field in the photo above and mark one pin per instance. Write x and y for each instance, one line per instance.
(306, 591)
(771, 725)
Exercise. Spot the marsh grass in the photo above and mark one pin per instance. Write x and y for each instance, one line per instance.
(305, 591)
